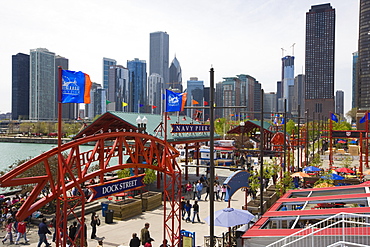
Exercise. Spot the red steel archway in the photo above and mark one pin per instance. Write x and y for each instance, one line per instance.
(75, 168)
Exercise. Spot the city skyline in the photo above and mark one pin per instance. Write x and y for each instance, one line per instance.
(249, 43)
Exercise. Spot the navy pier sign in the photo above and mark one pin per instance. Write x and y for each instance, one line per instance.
(188, 128)
(116, 186)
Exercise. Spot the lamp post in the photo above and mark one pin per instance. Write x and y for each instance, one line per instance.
(242, 124)
(141, 123)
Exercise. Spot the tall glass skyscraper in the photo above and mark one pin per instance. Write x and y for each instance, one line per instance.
(118, 88)
(107, 62)
(319, 59)
(137, 75)
(339, 102)
(354, 79)
(159, 56)
(288, 79)
(20, 86)
(42, 85)
(175, 75)
(363, 71)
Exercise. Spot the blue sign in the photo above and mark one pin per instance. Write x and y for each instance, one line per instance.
(188, 128)
(236, 181)
(117, 186)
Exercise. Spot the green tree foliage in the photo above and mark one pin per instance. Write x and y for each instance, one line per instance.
(290, 126)
(284, 184)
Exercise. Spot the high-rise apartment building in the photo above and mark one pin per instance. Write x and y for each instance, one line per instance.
(20, 86)
(98, 103)
(107, 62)
(269, 105)
(155, 91)
(339, 102)
(354, 79)
(279, 96)
(118, 88)
(319, 59)
(138, 85)
(175, 75)
(247, 96)
(42, 85)
(257, 100)
(363, 71)
(159, 56)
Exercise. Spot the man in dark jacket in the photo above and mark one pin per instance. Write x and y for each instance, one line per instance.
(43, 230)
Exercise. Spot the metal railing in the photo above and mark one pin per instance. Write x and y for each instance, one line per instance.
(352, 229)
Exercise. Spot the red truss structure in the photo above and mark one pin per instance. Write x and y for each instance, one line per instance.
(76, 167)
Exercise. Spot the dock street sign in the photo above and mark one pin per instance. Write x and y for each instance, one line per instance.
(190, 128)
(116, 186)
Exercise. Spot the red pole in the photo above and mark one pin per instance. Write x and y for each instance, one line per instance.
(330, 142)
(361, 167)
(367, 140)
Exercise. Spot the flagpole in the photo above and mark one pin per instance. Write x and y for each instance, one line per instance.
(367, 141)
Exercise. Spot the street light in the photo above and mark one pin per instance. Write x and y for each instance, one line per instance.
(242, 124)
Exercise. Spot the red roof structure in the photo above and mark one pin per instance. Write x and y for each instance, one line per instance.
(296, 208)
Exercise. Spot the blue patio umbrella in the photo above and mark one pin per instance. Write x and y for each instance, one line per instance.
(311, 169)
(229, 217)
(333, 176)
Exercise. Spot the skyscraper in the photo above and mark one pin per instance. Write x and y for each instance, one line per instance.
(159, 56)
(42, 85)
(195, 90)
(339, 102)
(107, 62)
(363, 71)
(98, 103)
(118, 87)
(20, 86)
(298, 95)
(175, 75)
(155, 91)
(319, 61)
(354, 79)
(138, 84)
(288, 79)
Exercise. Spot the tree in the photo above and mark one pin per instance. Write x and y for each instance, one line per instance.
(290, 126)
(352, 114)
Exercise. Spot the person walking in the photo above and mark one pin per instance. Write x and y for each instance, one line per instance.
(9, 230)
(95, 221)
(194, 189)
(43, 230)
(135, 241)
(196, 211)
(182, 207)
(145, 234)
(21, 228)
(72, 230)
(188, 210)
(223, 192)
(199, 188)
(189, 188)
(207, 192)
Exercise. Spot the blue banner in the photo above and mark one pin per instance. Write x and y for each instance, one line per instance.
(173, 101)
(75, 87)
(189, 128)
(124, 184)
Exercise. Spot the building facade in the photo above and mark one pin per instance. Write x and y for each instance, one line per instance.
(98, 103)
(354, 79)
(195, 90)
(339, 103)
(20, 86)
(42, 85)
(319, 59)
(107, 62)
(288, 79)
(298, 96)
(138, 85)
(155, 91)
(118, 88)
(159, 56)
(363, 72)
(269, 105)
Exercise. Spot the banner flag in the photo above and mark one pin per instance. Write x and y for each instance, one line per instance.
(173, 101)
(153, 107)
(205, 103)
(365, 118)
(107, 102)
(194, 102)
(75, 87)
(124, 104)
(334, 117)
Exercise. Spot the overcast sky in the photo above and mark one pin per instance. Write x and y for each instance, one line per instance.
(234, 36)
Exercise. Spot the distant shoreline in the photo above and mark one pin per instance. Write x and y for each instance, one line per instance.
(38, 140)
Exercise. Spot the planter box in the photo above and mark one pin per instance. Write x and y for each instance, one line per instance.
(125, 209)
(150, 200)
(254, 206)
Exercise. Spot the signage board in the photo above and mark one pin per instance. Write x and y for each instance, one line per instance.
(116, 186)
(190, 128)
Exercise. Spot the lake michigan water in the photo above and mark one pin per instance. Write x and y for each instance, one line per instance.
(12, 152)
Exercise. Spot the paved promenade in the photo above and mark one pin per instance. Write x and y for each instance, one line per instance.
(120, 232)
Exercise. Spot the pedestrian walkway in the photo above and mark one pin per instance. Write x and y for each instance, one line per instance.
(120, 232)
